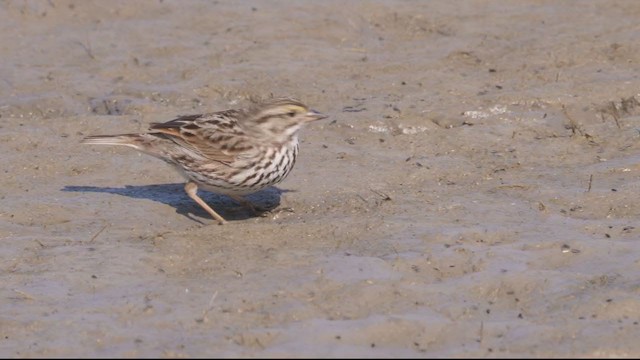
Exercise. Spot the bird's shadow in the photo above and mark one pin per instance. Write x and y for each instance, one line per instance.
(175, 196)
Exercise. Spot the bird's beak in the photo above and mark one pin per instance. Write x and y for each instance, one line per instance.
(313, 115)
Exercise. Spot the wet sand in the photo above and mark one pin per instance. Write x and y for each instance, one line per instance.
(474, 192)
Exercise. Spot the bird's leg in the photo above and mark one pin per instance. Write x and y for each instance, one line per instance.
(191, 189)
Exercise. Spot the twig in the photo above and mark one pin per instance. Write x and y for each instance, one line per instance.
(87, 49)
(590, 182)
(384, 196)
(209, 307)
(98, 233)
(573, 126)
(24, 294)
(614, 113)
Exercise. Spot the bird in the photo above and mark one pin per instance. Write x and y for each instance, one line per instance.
(233, 152)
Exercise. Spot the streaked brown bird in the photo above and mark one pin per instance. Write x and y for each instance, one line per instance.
(234, 152)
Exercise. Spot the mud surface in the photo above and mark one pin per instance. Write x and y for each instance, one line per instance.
(474, 192)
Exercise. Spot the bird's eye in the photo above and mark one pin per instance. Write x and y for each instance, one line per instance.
(291, 113)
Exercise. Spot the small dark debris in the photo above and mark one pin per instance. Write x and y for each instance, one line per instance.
(607, 236)
(353, 109)
(614, 190)
(492, 70)
(499, 87)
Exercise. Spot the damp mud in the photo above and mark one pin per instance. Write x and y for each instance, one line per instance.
(473, 193)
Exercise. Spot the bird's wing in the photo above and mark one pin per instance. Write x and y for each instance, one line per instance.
(215, 136)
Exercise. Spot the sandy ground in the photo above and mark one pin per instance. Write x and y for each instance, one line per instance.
(474, 193)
